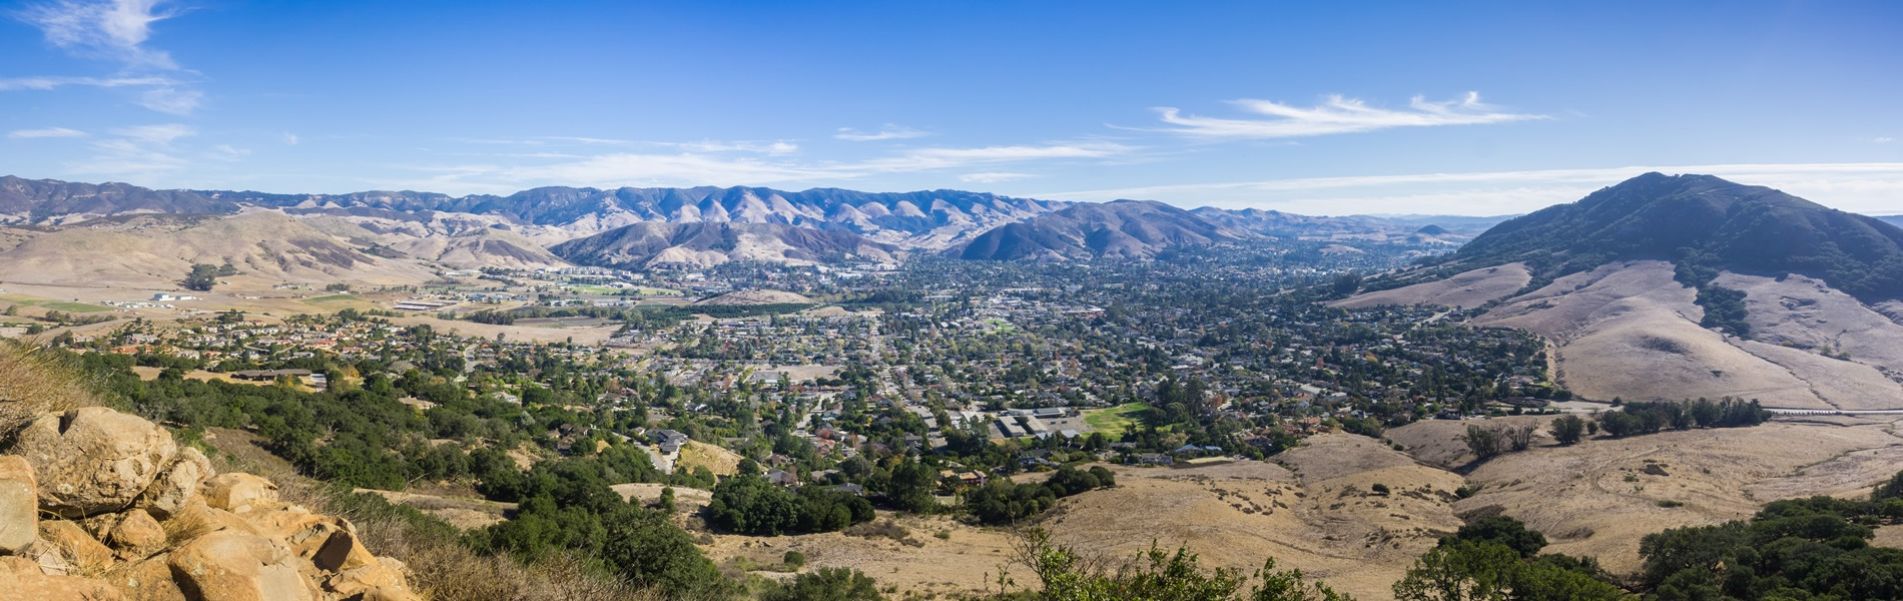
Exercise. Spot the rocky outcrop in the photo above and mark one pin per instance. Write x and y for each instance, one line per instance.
(97, 505)
(93, 460)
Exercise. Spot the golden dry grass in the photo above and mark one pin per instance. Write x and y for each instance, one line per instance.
(34, 381)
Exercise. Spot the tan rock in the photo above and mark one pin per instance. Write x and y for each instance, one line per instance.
(148, 580)
(177, 484)
(137, 535)
(20, 578)
(19, 504)
(239, 492)
(234, 566)
(197, 518)
(330, 542)
(93, 460)
(383, 580)
(73, 544)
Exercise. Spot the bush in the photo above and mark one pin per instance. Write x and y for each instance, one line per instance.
(1568, 429)
(1003, 502)
(751, 505)
(827, 584)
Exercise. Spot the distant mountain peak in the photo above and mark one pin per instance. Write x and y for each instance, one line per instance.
(1707, 221)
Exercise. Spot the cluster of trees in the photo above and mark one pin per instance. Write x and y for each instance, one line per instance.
(1498, 558)
(1648, 418)
(1814, 549)
(573, 510)
(204, 276)
(749, 504)
(1004, 502)
(1156, 575)
(1488, 442)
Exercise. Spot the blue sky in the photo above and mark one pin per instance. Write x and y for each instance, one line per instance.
(1329, 108)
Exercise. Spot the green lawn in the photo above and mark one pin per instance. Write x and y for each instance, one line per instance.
(1114, 421)
(599, 290)
(332, 298)
(52, 305)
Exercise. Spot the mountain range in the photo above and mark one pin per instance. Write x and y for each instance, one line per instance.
(648, 227)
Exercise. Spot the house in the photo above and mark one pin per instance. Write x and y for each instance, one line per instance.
(670, 441)
(783, 478)
(1158, 459)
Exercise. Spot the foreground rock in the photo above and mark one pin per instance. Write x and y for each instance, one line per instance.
(93, 460)
(144, 520)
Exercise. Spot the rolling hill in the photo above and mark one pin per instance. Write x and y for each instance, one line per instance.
(1124, 229)
(644, 245)
(1705, 222)
(1622, 283)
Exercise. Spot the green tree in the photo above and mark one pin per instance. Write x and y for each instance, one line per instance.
(649, 551)
(201, 278)
(1461, 571)
(1569, 429)
(1502, 530)
(827, 584)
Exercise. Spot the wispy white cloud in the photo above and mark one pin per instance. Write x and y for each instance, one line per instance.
(1882, 140)
(1335, 115)
(777, 147)
(116, 31)
(1864, 187)
(291, 139)
(156, 134)
(228, 153)
(171, 100)
(728, 164)
(889, 131)
(111, 29)
(992, 177)
(46, 132)
(44, 83)
(136, 151)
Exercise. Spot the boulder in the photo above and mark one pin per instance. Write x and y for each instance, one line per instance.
(330, 542)
(177, 484)
(148, 580)
(239, 492)
(93, 460)
(383, 580)
(137, 535)
(19, 505)
(21, 578)
(198, 518)
(71, 542)
(229, 565)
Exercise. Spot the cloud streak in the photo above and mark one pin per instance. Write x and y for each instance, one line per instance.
(890, 131)
(113, 29)
(137, 151)
(46, 83)
(47, 132)
(1335, 115)
(110, 30)
(740, 164)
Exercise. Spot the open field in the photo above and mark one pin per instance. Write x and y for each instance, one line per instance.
(580, 334)
(52, 305)
(1114, 421)
(1462, 291)
(1599, 497)
(720, 461)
